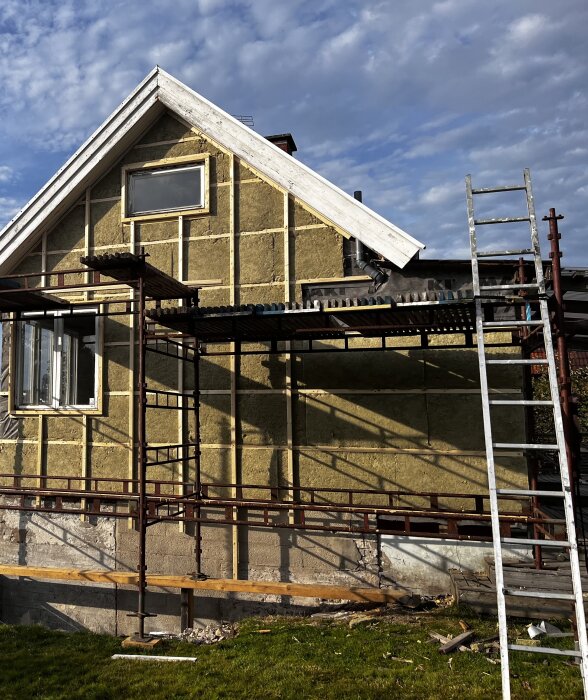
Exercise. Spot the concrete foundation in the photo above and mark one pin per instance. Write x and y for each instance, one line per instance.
(423, 564)
(419, 565)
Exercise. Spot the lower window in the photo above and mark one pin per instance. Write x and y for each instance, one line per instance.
(57, 362)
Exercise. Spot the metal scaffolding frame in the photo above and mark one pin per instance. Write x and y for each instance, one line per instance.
(174, 333)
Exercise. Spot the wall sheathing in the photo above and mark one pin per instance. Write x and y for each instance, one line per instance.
(395, 420)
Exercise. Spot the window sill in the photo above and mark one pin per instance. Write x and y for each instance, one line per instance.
(157, 216)
(38, 411)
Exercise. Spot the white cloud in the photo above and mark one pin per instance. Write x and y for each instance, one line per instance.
(6, 173)
(441, 194)
(528, 28)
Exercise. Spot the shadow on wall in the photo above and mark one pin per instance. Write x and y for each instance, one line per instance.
(77, 607)
(339, 432)
(353, 400)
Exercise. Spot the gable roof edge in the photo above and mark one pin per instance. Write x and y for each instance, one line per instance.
(29, 220)
(159, 90)
(338, 207)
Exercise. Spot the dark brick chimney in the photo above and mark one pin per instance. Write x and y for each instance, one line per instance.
(283, 141)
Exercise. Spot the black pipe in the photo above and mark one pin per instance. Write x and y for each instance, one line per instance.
(361, 261)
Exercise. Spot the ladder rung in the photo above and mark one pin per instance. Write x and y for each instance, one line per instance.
(544, 650)
(539, 594)
(499, 188)
(517, 362)
(541, 543)
(520, 402)
(505, 220)
(523, 446)
(498, 287)
(496, 253)
(510, 324)
(529, 492)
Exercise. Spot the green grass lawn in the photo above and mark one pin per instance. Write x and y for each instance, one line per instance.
(299, 658)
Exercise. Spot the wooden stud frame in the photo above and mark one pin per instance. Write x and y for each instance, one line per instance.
(290, 457)
(235, 471)
(132, 450)
(86, 419)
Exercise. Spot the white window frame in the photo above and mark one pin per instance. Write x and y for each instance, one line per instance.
(201, 160)
(57, 356)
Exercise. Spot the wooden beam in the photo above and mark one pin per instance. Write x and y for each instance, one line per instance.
(234, 364)
(182, 467)
(44, 258)
(186, 608)
(41, 431)
(131, 472)
(86, 419)
(290, 464)
(299, 590)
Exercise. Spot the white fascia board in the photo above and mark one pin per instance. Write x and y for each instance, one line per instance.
(291, 175)
(160, 89)
(78, 171)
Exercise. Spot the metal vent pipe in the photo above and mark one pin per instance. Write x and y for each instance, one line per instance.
(376, 274)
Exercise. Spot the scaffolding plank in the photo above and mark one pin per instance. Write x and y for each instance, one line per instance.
(300, 590)
(128, 267)
(13, 297)
(293, 321)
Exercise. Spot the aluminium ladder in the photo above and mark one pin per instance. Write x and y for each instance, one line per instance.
(537, 290)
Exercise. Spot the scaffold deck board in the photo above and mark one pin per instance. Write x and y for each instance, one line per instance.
(127, 267)
(298, 590)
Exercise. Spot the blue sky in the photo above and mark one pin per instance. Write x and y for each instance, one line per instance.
(400, 99)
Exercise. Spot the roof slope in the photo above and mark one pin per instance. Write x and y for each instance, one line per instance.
(156, 93)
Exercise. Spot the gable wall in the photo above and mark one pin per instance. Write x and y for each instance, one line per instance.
(367, 420)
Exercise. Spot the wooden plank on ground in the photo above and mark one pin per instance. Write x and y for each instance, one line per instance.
(456, 642)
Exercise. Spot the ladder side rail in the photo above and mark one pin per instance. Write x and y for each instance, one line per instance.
(488, 441)
(534, 232)
(568, 503)
(473, 241)
(494, 517)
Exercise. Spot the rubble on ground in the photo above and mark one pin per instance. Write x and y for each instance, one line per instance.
(211, 634)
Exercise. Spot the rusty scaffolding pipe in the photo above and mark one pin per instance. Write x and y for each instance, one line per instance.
(197, 452)
(141, 613)
(563, 362)
(532, 462)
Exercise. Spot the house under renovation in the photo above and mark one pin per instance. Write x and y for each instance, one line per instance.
(218, 368)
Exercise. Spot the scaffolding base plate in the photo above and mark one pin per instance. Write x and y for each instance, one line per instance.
(140, 643)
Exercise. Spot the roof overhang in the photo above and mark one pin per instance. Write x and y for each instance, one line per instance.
(156, 93)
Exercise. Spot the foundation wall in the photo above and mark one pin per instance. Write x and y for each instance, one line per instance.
(402, 419)
(424, 565)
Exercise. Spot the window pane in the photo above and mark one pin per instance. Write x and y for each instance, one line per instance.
(78, 361)
(165, 190)
(36, 380)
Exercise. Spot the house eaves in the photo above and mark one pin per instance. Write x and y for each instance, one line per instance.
(156, 93)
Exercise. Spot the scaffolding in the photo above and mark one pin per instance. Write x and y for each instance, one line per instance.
(181, 334)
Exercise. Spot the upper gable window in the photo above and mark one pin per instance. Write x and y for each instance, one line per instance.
(166, 190)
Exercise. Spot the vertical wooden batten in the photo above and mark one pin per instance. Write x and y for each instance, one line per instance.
(41, 422)
(182, 467)
(289, 366)
(44, 258)
(41, 432)
(87, 420)
(234, 365)
(132, 378)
